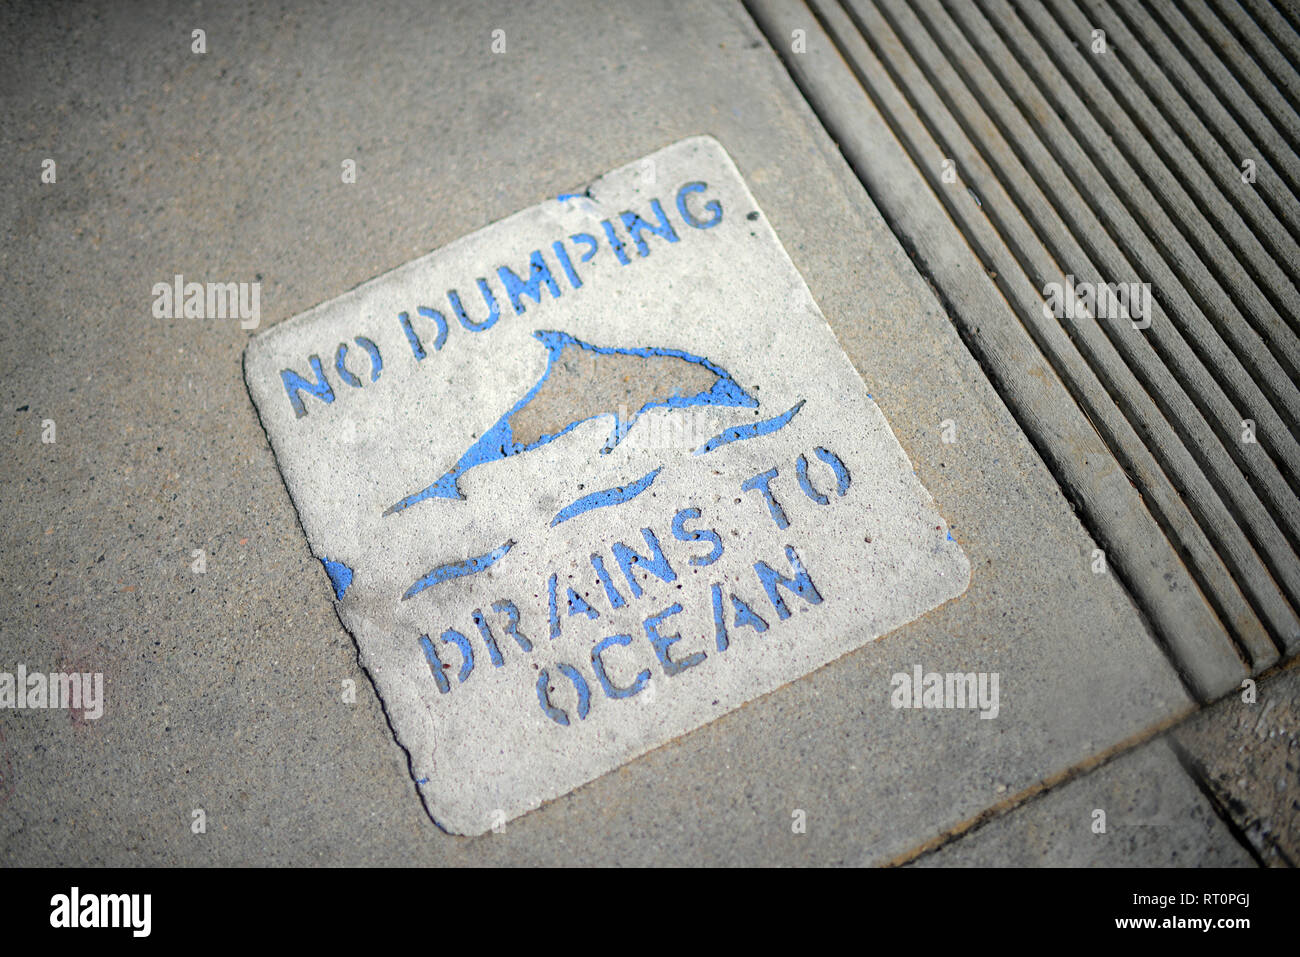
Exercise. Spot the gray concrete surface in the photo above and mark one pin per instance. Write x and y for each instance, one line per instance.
(1245, 752)
(1139, 810)
(225, 689)
(995, 123)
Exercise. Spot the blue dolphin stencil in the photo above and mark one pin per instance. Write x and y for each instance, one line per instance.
(544, 414)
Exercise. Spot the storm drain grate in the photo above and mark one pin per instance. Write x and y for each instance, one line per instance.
(1105, 198)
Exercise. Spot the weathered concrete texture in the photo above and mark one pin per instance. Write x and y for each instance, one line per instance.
(225, 689)
(1248, 756)
(1154, 817)
(996, 122)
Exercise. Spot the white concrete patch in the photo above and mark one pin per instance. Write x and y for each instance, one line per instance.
(698, 321)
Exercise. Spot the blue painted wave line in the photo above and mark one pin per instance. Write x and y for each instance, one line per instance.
(603, 499)
(458, 569)
(751, 431)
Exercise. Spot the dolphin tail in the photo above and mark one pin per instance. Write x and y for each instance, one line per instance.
(446, 487)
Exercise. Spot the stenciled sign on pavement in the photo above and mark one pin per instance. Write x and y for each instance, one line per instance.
(591, 477)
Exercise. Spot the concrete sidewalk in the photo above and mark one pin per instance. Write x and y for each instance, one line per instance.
(1219, 790)
(154, 541)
